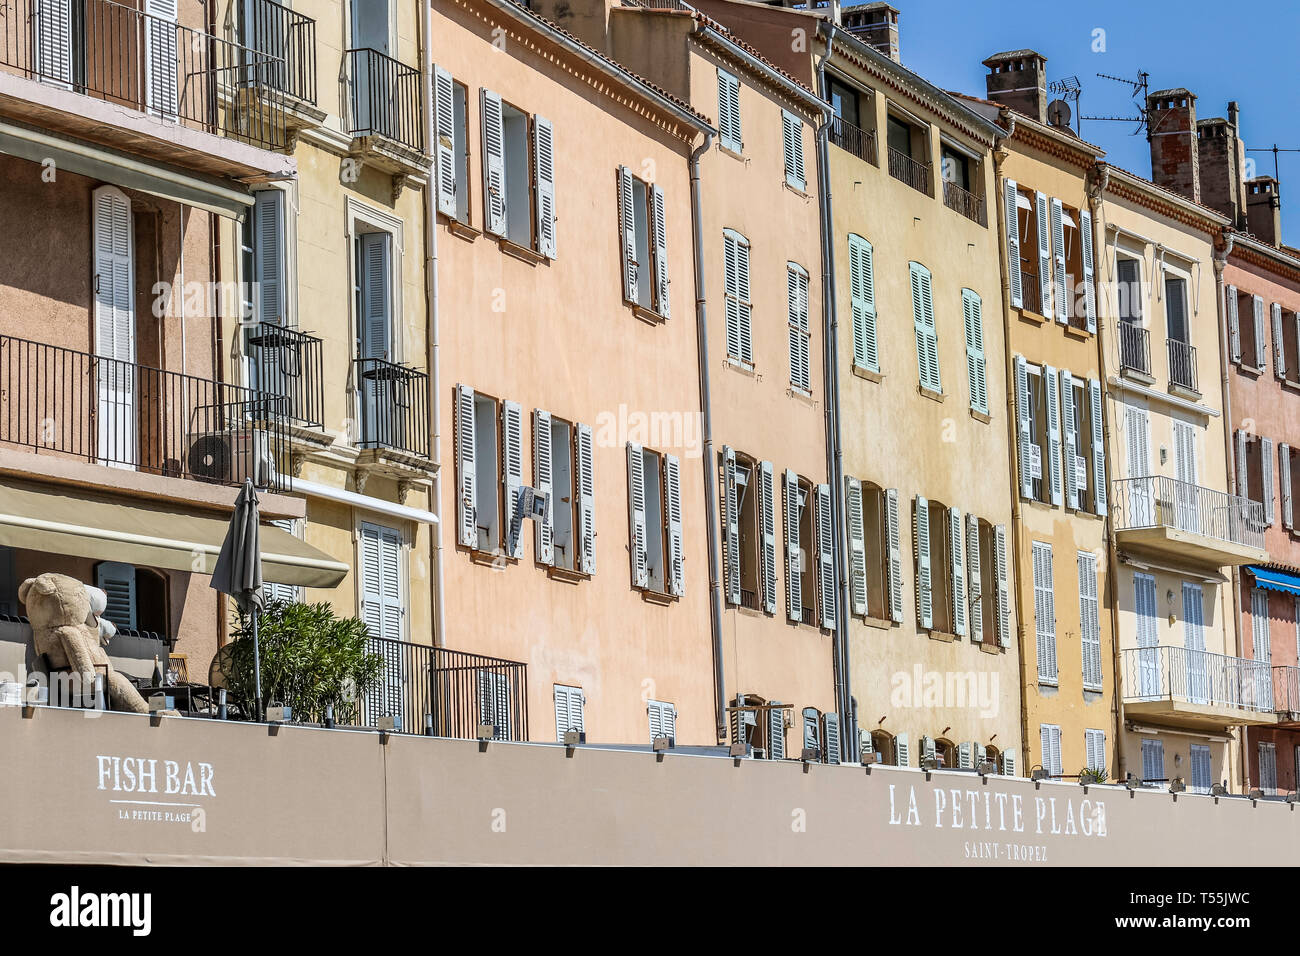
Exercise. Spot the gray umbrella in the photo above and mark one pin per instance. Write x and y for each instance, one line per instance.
(238, 571)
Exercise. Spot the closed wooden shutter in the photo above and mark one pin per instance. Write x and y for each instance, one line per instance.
(731, 522)
(767, 506)
(659, 243)
(494, 165)
(797, 298)
(736, 292)
(792, 137)
(512, 474)
(1089, 620)
(636, 504)
(1012, 222)
(895, 556)
(793, 558)
(115, 332)
(544, 184)
(1044, 256)
(676, 541)
(977, 599)
(543, 483)
(117, 581)
(1234, 325)
(957, 569)
(826, 556)
(921, 547)
(444, 98)
(862, 292)
(162, 61)
(585, 483)
(975, 360)
(1044, 612)
(857, 547)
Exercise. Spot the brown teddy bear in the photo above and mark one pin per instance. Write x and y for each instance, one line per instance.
(59, 608)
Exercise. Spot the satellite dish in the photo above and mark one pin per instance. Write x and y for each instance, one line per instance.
(1058, 113)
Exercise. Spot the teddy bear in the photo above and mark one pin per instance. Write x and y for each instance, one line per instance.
(66, 630)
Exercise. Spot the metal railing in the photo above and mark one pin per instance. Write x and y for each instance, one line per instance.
(1182, 363)
(860, 142)
(1197, 677)
(1031, 293)
(288, 39)
(1134, 347)
(907, 169)
(385, 98)
(1286, 690)
(964, 202)
(394, 407)
(116, 413)
(446, 693)
(287, 363)
(146, 63)
(1159, 501)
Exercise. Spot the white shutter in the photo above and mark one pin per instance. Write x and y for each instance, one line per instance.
(1279, 346)
(544, 184)
(1004, 603)
(269, 255)
(1089, 620)
(1284, 476)
(585, 483)
(731, 520)
(974, 581)
(1266, 471)
(729, 111)
(921, 545)
(1243, 485)
(775, 719)
(1258, 304)
(1044, 256)
(162, 62)
(793, 565)
(966, 755)
(659, 241)
(381, 561)
(1053, 432)
(1063, 306)
(975, 360)
(1011, 215)
(54, 41)
(494, 165)
(767, 506)
(282, 592)
(1044, 612)
(444, 97)
(1069, 421)
(113, 283)
(1025, 438)
(512, 444)
(797, 302)
(736, 292)
(1089, 285)
(627, 233)
(1234, 325)
(467, 499)
(862, 292)
(568, 710)
(826, 555)
(676, 542)
(956, 543)
(1008, 763)
(1098, 447)
(903, 750)
(744, 306)
(792, 136)
(636, 506)
(895, 556)
(831, 753)
(927, 343)
(117, 581)
(376, 301)
(857, 547)
(543, 482)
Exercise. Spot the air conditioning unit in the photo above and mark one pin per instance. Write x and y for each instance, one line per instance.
(231, 456)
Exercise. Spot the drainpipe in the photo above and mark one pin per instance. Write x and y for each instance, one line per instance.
(431, 287)
(706, 427)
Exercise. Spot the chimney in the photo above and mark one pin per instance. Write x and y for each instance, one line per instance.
(1171, 131)
(1018, 79)
(1222, 159)
(876, 24)
(1264, 210)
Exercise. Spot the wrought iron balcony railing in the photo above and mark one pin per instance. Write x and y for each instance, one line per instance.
(860, 142)
(287, 363)
(385, 98)
(1159, 501)
(964, 202)
(1182, 364)
(1031, 293)
(907, 169)
(394, 406)
(1197, 677)
(1134, 347)
(148, 64)
(123, 415)
(287, 41)
(1286, 690)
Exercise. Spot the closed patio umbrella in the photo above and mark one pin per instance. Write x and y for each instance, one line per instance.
(238, 571)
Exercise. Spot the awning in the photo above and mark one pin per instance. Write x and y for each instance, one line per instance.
(64, 521)
(1275, 580)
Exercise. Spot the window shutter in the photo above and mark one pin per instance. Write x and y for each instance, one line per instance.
(1004, 604)
(568, 710)
(585, 482)
(731, 516)
(1258, 303)
(966, 756)
(797, 300)
(659, 226)
(1045, 611)
(792, 130)
(1098, 448)
(1044, 256)
(903, 750)
(543, 530)
(1243, 486)
(636, 517)
(895, 557)
(1068, 422)
(742, 291)
(729, 111)
(921, 544)
(775, 720)
(114, 325)
(381, 596)
(1012, 217)
(767, 505)
(54, 41)
(1008, 763)
(862, 291)
(956, 541)
(467, 500)
(444, 97)
(793, 567)
(975, 361)
(1053, 432)
(376, 302)
(117, 580)
(627, 233)
(928, 749)
(1089, 285)
(974, 582)
(544, 184)
(857, 548)
(1279, 346)
(826, 555)
(1022, 417)
(1089, 620)
(282, 592)
(1266, 470)
(512, 445)
(1063, 306)
(268, 255)
(1284, 476)
(736, 289)
(162, 65)
(1234, 325)
(494, 165)
(831, 722)
(927, 345)
(676, 543)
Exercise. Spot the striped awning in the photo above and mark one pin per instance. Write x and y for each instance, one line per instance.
(1275, 580)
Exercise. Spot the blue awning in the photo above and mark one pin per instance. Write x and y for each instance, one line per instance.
(1275, 580)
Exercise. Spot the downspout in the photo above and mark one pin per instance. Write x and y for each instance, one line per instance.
(431, 291)
(706, 428)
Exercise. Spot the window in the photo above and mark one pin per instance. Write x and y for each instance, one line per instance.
(975, 362)
(288, 593)
(518, 176)
(792, 138)
(955, 167)
(1268, 768)
(1089, 620)
(1094, 745)
(490, 472)
(927, 339)
(882, 745)
(800, 334)
(264, 249)
(137, 597)
(759, 725)
(1081, 433)
(982, 579)
(663, 720)
(844, 102)
(1072, 263)
(118, 582)
(565, 536)
(1128, 287)
(1181, 355)
(1287, 473)
(735, 287)
(382, 592)
(933, 561)
(1049, 742)
(496, 704)
(1286, 344)
(655, 521)
(1246, 335)
(1201, 772)
(451, 122)
(862, 291)
(9, 589)
(1255, 471)
(729, 112)
(1045, 612)
(1153, 761)
(1039, 443)
(749, 520)
(875, 565)
(945, 752)
(1261, 648)
(809, 540)
(900, 135)
(569, 705)
(643, 233)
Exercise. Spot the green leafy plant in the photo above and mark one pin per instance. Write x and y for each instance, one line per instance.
(1093, 775)
(310, 658)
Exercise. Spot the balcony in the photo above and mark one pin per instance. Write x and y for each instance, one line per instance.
(286, 364)
(964, 202)
(1197, 689)
(394, 409)
(287, 41)
(1186, 522)
(1182, 365)
(1031, 293)
(860, 142)
(62, 402)
(905, 168)
(385, 121)
(1286, 694)
(1134, 349)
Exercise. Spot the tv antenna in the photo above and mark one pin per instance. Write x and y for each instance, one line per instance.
(1274, 149)
(1066, 90)
(1140, 101)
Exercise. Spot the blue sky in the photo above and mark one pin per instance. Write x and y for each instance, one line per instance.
(1220, 51)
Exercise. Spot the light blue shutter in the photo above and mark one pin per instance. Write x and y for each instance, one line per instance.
(826, 555)
(797, 299)
(736, 292)
(494, 165)
(444, 98)
(857, 546)
(269, 255)
(975, 360)
(862, 291)
(627, 234)
(1011, 215)
(792, 135)
(1089, 269)
(1089, 620)
(676, 541)
(543, 482)
(1024, 432)
(1053, 432)
(467, 498)
(729, 111)
(921, 544)
(927, 343)
(793, 567)
(544, 184)
(585, 483)
(1045, 612)
(767, 507)
(977, 598)
(636, 503)
(659, 243)
(1069, 419)
(512, 462)
(1098, 447)
(117, 580)
(1063, 305)
(1044, 256)
(731, 523)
